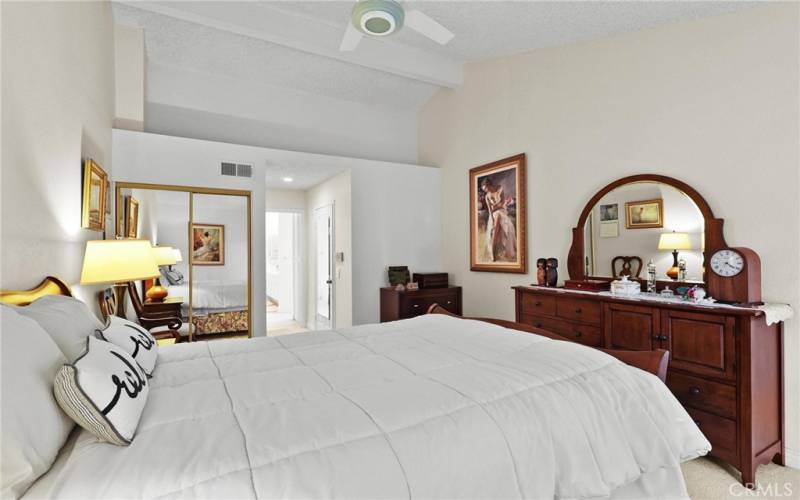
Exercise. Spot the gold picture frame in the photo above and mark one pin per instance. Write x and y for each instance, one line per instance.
(497, 210)
(644, 214)
(208, 244)
(131, 217)
(94, 197)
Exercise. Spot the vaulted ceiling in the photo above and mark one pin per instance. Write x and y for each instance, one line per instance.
(271, 73)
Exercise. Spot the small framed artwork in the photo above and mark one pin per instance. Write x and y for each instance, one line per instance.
(644, 214)
(131, 217)
(208, 244)
(497, 216)
(609, 212)
(95, 196)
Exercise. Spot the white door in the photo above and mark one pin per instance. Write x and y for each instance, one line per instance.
(323, 230)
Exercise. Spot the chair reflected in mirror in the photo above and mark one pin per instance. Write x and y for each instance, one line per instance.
(625, 265)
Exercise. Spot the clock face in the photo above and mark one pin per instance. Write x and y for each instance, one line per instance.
(727, 263)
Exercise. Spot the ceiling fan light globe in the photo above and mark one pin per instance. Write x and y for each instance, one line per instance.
(377, 17)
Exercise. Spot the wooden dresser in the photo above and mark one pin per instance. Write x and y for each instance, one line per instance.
(409, 303)
(725, 363)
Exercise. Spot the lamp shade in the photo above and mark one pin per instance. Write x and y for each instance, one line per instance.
(165, 256)
(674, 241)
(117, 261)
(178, 256)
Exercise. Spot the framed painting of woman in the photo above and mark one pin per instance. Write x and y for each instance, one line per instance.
(497, 216)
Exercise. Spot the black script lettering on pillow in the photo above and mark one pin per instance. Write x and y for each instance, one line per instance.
(141, 339)
(132, 385)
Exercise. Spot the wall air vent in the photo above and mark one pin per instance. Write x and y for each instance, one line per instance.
(244, 170)
(228, 169)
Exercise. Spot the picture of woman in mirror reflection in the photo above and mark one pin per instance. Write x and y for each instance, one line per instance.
(207, 246)
(501, 235)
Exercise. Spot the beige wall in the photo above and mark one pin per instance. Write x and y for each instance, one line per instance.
(712, 102)
(336, 191)
(284, 199)
(58, 105)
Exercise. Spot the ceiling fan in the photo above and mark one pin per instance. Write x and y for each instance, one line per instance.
(384, 17)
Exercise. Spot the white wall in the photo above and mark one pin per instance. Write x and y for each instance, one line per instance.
(712, 102)
(58, 105)
(129, 70)
(150, 158)
(190, 104)
(335, 191)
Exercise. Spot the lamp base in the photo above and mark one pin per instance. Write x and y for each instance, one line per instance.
(157, 293)
(673, 272)
(119, 297)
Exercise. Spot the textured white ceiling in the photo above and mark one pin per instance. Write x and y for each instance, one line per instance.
(486, 29)
(177, 43)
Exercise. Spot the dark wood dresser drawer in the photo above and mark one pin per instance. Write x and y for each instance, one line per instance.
(577, 332)
(703, 394)
(410, 303)
(538, 304)
(587, 311)
(721, 432)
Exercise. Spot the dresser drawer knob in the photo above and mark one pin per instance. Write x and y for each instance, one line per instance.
(694, 390)
(537, 303)
(659, 337)
(538, 325)
(449, 301)
(578, 334)
(416, 305)
(578, 310)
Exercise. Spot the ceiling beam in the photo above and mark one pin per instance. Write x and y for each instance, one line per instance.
(274, 25)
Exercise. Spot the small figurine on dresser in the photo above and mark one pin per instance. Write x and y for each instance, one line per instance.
(541, 272)
(552, 271)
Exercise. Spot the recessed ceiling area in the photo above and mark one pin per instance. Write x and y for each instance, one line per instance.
(270, 73)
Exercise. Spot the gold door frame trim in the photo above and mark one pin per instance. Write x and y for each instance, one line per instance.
(192, 190)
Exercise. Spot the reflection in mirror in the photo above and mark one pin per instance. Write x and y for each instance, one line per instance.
(220, 267)
(627, 224)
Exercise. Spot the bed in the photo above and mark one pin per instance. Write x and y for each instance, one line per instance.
(217, 306)
(430, 407)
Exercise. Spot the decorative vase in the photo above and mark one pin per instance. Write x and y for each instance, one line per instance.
(156, 293)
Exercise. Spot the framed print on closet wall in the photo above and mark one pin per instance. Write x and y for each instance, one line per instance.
(94, 197)
(497, 207)
(208, 244)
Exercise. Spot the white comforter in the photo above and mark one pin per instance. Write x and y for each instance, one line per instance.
(215, 295)
(431, 407)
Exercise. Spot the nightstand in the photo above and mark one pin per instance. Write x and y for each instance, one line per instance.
(170, 305)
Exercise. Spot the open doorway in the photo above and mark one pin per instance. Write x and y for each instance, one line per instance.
(284, 283)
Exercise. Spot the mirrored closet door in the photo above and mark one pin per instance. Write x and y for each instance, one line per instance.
(204, 239)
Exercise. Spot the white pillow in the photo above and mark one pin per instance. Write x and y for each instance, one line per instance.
(104, 392)
(33, 426)
(134, 339)
(68, 321)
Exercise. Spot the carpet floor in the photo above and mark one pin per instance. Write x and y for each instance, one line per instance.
(710, 479)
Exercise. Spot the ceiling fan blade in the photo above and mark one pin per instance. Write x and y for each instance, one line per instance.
(420, 22)
(350, 39)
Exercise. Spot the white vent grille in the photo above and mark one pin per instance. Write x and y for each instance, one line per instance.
(228, 169)
(243, 170)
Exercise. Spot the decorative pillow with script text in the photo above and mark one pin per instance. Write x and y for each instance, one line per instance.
(104, 391)
(134, 339)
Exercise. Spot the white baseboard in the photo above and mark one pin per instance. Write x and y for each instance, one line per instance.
(792, 458)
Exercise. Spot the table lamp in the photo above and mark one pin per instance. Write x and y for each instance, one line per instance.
(118, 262)
(165, 256)
(674, 241)
(178, 256)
